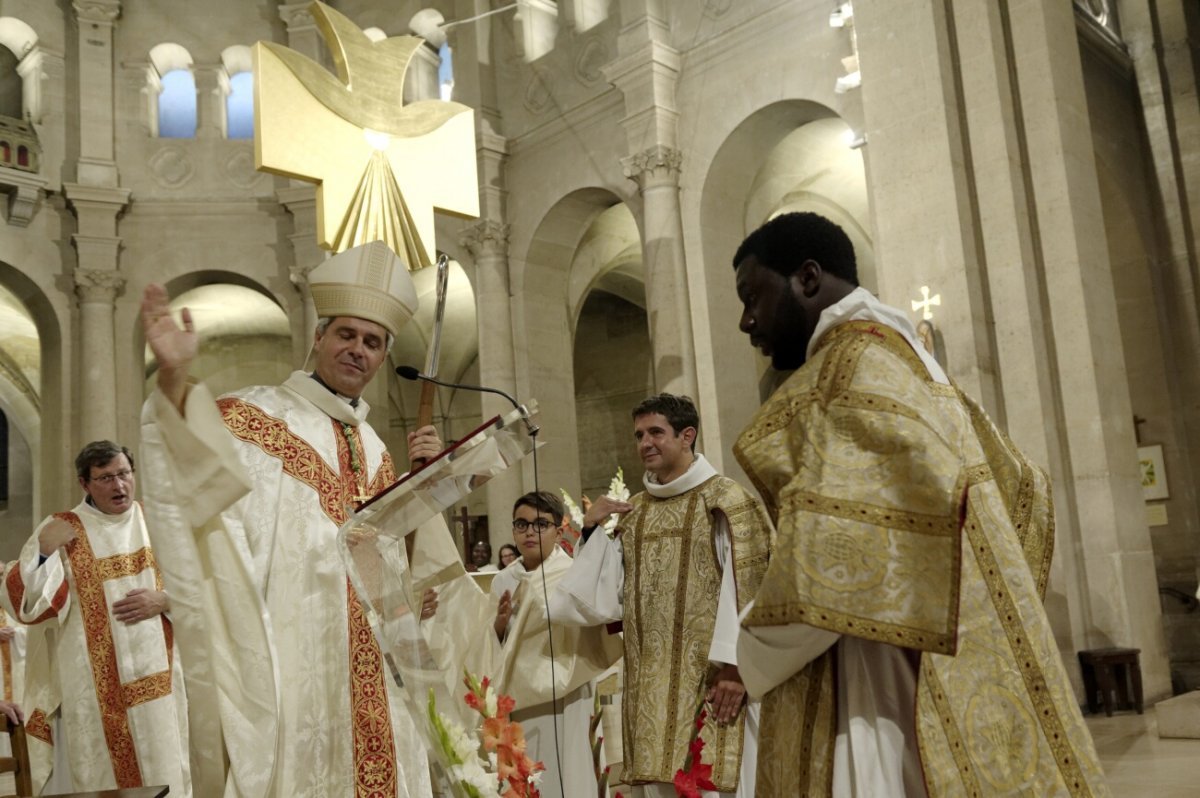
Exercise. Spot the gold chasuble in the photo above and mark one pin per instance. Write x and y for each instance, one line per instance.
(905, 517)
(671, 586)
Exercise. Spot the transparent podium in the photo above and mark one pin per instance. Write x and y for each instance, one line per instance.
(377, 547)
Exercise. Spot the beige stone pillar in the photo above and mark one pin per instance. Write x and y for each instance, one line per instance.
(984, 188)
(303, 36)
(656, 171)
(97, 289)
(96, 165)
(97, 285)
(487, 242)
(646, 72)
(300, 200)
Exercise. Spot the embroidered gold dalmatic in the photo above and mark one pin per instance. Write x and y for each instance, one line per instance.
(672, 582)
(118, 687)
(905, 517)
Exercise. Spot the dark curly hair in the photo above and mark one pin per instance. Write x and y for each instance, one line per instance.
(788, 240)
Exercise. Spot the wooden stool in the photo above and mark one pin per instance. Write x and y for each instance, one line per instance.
(1108, 671)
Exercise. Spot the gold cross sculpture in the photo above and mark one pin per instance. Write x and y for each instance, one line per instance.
(353, 136)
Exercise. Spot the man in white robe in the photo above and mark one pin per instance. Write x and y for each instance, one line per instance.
(554, 694)
(687, 556)
(250, 492)
(113, 688)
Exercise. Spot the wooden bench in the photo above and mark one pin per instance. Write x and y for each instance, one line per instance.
(1107, 675)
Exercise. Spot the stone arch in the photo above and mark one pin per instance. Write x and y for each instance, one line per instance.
(42, 420)
(753, 176)
(17, 36)
(550, 294)
(168, 60)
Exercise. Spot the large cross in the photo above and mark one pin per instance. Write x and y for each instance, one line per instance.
(926, 301)
(354, 138)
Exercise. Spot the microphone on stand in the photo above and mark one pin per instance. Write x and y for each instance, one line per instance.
(411, 373)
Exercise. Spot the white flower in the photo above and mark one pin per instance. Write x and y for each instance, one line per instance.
(616, 490)
(463, 744)
(490, 699)
(472, 772)
(574, 512)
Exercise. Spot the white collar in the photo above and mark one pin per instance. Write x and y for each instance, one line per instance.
(861, 305)
(332, 404)
(699, 472)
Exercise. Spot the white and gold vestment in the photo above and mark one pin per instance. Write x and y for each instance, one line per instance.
(115, 689)
(248, 494)
(522, 667)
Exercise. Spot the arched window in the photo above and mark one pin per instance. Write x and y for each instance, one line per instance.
(446, 72)
(5, 152)
(172, 92)
(177, 105)
(239, 106)
(238, 84)
(10, 85)
(3, 459)
(22, 156)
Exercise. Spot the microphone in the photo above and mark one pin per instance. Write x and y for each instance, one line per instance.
(411, 373)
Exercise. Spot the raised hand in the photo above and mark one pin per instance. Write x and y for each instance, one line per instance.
(503, 612)
(173, 348)
(602, 508)
(54, 536)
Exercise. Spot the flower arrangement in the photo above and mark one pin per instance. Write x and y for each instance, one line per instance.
(695, 775)
(572, 525)
(507, 772)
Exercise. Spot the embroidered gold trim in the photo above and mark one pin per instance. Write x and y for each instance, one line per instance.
(147, 688)
(949, 725)
(121, 565)
(16, 594)
(93, 609)
(887, 517)
(1026, 659)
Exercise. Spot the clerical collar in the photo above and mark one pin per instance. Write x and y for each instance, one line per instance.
(352, 402)
(699, 472)
(334, 406)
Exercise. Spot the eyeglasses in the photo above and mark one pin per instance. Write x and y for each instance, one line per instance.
(108, 479)
(540, 526)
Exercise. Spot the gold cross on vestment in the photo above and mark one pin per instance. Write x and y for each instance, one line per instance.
(353, 136)
(925, 302)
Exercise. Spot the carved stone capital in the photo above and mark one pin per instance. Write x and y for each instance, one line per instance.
(102, 12)
(98, 285)
(296, 16)
(654, 166)
(488, 237)
(24, 193)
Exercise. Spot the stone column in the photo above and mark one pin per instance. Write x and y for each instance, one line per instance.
(96, 164)
(303, 36)
(646, 72)
(487, 241)
(983, 185)
(668, 308)
(300, 200)
(97, 289)
(97, 285)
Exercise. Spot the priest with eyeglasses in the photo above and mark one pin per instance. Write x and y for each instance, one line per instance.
(104, 699)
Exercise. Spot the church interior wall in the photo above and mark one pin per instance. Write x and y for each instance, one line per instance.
(1147, 325)
(731, 119)
(16, 514)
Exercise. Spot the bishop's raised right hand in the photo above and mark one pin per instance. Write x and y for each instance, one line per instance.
(173, 348)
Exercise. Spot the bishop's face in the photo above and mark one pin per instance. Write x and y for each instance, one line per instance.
(349, 353)
(774, 314)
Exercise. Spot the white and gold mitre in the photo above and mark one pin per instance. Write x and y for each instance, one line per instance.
(367, 282)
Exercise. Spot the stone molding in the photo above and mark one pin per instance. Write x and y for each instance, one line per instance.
(487, 237)
(655, 165)
(296, 16)
(99, 12)
(24, 193)
(98, 285)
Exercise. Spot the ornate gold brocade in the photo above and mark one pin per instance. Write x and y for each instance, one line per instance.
(854, 453)
(371, 727)
(16, 594)
(671, 589)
